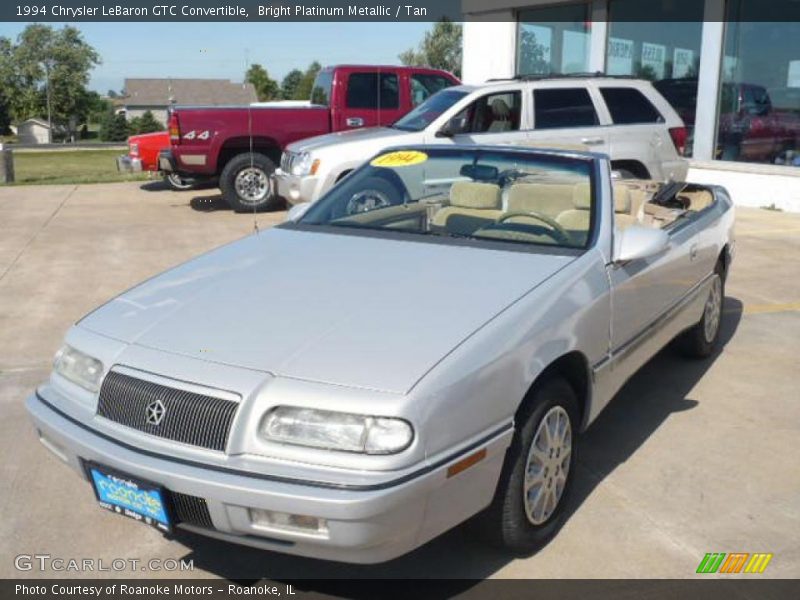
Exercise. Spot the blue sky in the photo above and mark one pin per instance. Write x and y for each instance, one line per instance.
(221, 49)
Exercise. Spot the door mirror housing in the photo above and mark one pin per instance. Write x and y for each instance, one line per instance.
(297, 211)
(637, 242)
(453, 127)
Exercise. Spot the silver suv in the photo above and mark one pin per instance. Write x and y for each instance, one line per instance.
(628, 119)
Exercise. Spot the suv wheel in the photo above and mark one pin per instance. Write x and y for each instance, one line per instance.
(247, 184)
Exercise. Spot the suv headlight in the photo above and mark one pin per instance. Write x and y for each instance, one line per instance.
(303, 165)
(336, 430)
(134, 149)
(79, 368)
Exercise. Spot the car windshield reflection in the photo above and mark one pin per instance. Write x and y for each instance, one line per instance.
(456, 193)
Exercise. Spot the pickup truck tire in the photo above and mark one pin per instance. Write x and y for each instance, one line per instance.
(247, 184)
(699, 340)
(524, 516)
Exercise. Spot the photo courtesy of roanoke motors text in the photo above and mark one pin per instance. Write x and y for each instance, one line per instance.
(348, 299)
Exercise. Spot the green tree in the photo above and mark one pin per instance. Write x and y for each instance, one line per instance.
(266, 87)
(8, 83)
(533, 57)
(440, 49)
(303, 91)
(59, 60)
(290, 83)
(114, 128)
(149, 124)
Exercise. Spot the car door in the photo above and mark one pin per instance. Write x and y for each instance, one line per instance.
(564, 116)
(637, 128)
(497, 117)
(644, 290)
(371, 98)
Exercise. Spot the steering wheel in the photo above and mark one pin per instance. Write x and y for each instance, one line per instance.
(554, 227)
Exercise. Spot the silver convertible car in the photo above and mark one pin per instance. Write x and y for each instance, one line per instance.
(421, 345)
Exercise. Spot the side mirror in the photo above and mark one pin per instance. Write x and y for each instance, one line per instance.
(451, 128)
(297, 211)
(636, 242)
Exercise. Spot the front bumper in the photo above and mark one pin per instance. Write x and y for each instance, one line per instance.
(127, 164)
(362, 526)
(294, 189)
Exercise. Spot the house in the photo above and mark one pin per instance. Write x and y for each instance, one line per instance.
(156, 95)
(33, 131)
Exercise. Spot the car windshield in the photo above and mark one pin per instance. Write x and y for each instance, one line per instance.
(430, 110)
(477, 194)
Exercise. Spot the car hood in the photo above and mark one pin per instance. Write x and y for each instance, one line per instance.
(365, 135)
(344, 309)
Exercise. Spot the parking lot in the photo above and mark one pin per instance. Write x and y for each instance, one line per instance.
(690, 458)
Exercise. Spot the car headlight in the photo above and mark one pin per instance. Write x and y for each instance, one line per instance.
(336, 430)
(79, 368)
(304, 165)
(134, 149)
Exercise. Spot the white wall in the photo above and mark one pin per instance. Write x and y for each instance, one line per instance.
(489, 48)
(32, 133)
(775, 185)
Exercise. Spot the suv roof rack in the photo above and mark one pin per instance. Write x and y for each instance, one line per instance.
(563, 76)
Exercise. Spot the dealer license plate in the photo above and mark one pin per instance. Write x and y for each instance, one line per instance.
(131, 497)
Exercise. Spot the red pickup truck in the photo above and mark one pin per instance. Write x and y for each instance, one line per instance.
(243, 145)
(143, 152)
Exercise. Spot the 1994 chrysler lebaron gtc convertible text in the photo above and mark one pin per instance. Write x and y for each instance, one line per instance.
(379, 368)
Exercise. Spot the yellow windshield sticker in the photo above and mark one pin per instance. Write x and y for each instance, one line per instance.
(402, 158)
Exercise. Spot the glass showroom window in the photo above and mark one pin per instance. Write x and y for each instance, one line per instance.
(553, 40)
(759, 107)
(661, 42)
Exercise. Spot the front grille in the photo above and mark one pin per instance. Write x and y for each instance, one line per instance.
(191, 510)
(186, 417)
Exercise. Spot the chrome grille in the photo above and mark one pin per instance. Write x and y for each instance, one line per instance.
(191, 509)
(287, 158)
(187, 417)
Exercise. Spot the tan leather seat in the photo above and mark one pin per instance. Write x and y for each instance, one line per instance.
(501, 116)
(578, 219)
(697, 200)
(550, 199)
(472, 205)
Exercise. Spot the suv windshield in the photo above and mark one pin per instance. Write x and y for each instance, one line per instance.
(476, 193)
(430, 110)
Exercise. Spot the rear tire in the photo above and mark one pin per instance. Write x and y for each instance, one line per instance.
(534, 487)
(247, 184)
(700, 340)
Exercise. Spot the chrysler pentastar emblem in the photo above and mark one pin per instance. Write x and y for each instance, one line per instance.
(155, 412)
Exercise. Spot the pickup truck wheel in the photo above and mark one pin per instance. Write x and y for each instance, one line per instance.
(528, 507)
(178, 183)
(700, 340)
(247, 184)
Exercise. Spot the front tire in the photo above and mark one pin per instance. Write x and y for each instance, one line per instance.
(247, 184)
(528, 507)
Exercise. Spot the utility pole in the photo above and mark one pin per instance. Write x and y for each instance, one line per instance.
(49, 110)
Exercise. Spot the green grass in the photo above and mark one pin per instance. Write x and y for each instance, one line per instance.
(70, 166)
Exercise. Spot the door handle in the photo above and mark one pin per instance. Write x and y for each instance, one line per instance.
(592, 141)
(354, 122)
(693, 252)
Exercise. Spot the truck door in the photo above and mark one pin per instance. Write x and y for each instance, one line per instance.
(371, 98)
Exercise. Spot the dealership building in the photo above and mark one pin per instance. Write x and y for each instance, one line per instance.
(733, 77)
